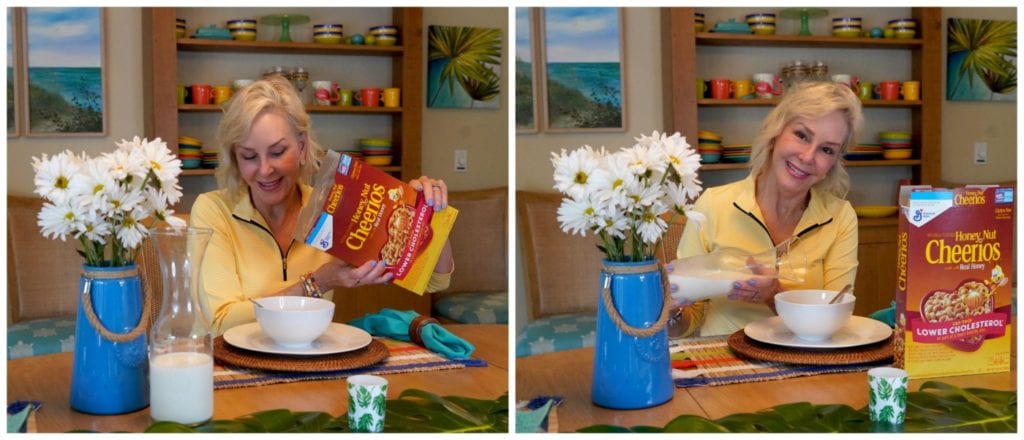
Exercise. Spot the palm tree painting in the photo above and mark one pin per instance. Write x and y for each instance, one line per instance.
(463, 67)
(981, 63)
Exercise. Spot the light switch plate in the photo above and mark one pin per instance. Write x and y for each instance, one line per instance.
(461, 161)
(980, 153)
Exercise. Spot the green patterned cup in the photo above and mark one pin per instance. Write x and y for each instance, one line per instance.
(887, 402)
(367, 398)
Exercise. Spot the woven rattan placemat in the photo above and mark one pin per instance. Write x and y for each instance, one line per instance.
(744, 345)
(369, 355)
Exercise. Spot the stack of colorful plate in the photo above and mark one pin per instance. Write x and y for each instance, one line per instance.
(896, 144)
(210, 159)
(376, 151)
(355, 152)
(762, 23)
(709, 145)
(846, 27)
(698, 21)
(864, 152)
(736, 153)
(190, 151)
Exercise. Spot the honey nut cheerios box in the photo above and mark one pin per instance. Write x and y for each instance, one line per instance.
(359, 213)
(955, 281)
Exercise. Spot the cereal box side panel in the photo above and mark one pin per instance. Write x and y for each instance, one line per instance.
(424, 260)
(956, 305)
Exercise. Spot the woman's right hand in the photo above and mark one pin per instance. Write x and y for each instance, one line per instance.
(340, 274)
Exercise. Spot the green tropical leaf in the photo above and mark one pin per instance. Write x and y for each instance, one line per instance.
(363, 397)
(365, 422)
(420, 411)
(886, 413)
(936, 407)
(379, 404)
(1001, 82)
(884, 390)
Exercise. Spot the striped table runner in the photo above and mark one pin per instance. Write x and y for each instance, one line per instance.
(403, 357)
(708, 361)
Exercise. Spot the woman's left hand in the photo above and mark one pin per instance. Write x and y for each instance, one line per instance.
(435, 191)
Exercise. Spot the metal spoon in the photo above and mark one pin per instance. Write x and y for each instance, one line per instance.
(845, 289)
(256, 302)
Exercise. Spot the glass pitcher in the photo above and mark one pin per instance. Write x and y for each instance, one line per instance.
(181, 343)
(708, 275)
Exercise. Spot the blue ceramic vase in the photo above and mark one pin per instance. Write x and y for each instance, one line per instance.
(110, 377)
(631, 372)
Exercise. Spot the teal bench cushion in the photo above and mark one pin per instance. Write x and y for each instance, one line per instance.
(40, 336)
(474, 308)
(557, 333)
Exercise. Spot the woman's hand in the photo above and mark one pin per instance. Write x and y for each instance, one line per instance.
(339, 274)
(435, 191)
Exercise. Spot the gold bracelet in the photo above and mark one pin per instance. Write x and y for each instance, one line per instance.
(310, 286)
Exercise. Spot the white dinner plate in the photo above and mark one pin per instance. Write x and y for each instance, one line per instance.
(338, 338)
(858, 331)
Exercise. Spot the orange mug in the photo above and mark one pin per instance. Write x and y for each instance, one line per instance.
(202, 94)
(911, 90)
(368, 97)
(221, 94)
(888, 90)
(721, 89)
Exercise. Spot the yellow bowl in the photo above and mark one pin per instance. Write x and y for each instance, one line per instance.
(384, 40)
(327, 39)
(763, 29)
(377, 161)
(708, 135)
(243, 35)
(876, 211)
(897, 153)
(847, 33)
(904, 33)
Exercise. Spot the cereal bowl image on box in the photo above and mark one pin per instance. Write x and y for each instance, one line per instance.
(808, 314)
(293, 321)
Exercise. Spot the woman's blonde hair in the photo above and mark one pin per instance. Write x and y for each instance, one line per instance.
(811, 100)
(275, 94)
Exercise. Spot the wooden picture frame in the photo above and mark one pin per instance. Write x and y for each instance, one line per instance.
(584, 77)
(14, 63)
(64, 73)
(528, 69)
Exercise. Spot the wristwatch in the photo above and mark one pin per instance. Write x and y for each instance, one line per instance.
(310, 287)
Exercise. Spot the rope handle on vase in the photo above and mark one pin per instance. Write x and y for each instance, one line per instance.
(613, 313)
(94, 320)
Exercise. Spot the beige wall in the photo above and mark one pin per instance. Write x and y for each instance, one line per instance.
(124, 104)
(967, 122)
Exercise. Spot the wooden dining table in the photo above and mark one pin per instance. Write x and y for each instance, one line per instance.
(568, 374)
(47, 379)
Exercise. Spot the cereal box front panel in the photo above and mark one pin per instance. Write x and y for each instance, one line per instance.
(956, 265)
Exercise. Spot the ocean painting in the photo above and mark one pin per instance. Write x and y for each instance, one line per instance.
(525, 102)
(981, 60)
(65, 71)
(583, 69)
(463, 67)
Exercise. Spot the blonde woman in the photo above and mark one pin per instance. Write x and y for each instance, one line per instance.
(796, 189)
(267, 158)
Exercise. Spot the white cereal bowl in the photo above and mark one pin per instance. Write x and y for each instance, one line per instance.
(808, 315)
(294, 321)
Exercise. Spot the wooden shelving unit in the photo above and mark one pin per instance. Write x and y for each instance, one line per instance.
(160, 66)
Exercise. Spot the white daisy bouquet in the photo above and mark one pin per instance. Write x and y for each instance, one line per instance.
(624, 197)
(104, 201)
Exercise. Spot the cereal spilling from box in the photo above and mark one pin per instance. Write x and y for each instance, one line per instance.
(359, 213)
(954, 280)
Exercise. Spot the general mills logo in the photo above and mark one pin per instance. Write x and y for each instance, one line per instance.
(918, 215)
(324, 242)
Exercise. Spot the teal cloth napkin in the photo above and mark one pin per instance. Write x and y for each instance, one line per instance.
(886, 315)
(395, 324)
